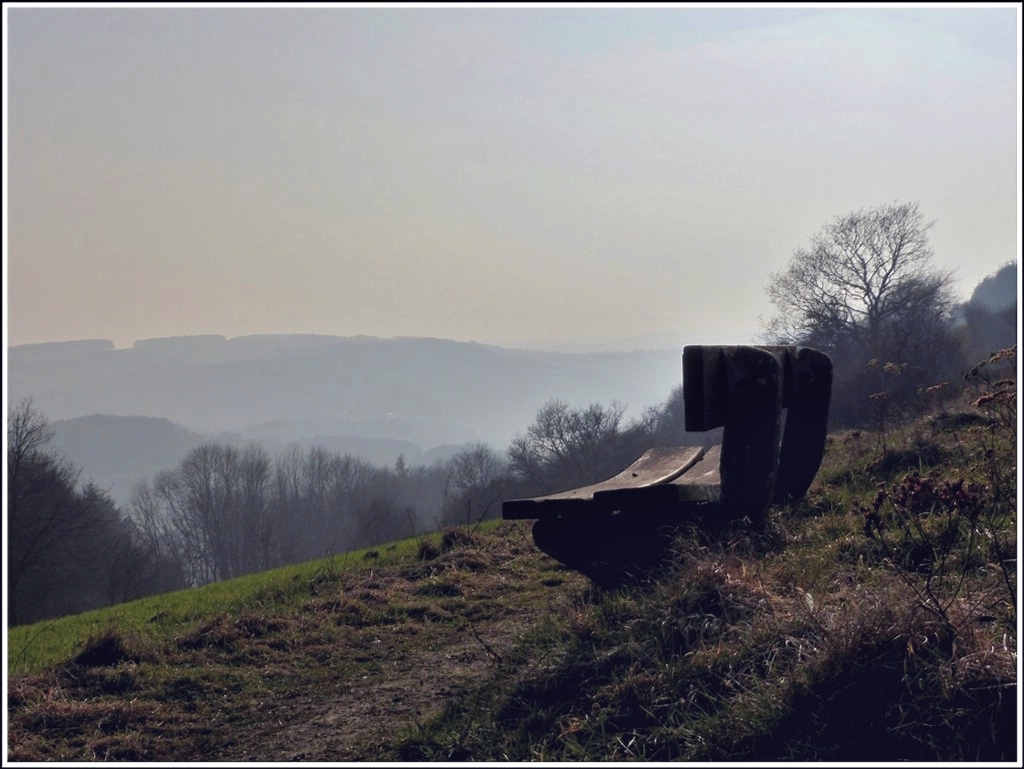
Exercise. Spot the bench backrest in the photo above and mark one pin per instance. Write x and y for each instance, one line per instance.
(744, 389)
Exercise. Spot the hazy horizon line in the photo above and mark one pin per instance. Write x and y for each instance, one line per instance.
(655, 340)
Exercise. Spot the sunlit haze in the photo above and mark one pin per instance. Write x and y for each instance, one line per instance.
(517, 176)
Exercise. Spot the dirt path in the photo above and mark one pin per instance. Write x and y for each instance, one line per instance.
(347, 724)
(409, 671)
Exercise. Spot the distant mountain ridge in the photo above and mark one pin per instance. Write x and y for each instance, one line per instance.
(116, 452)
(428, 391)
(367, 396)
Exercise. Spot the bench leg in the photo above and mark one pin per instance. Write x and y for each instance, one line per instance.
(612, 550)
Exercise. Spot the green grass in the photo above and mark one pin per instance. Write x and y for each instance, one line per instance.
(32, 648)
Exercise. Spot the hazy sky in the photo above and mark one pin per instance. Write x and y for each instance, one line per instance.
(501, 174)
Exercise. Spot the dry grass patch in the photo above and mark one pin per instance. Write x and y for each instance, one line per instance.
(317, 667)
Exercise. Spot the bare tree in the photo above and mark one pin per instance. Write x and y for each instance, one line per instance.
(568, 447)
(351, 482)
(856, 279)
(209, 488)
(474, 467)
(296, 536)
(214, 511)
(473, 483)
(259, 540)
(153, 534)
(866, 290)
(381, 520)
(168, 512)
(317, 487)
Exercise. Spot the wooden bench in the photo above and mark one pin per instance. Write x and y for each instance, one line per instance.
(772, 405)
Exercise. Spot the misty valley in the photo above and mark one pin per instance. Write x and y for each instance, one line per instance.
(376, 399)
(183, 461)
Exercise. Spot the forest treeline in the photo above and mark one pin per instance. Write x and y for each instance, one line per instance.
(224, 511)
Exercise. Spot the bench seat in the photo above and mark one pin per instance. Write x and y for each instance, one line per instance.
(660, 477)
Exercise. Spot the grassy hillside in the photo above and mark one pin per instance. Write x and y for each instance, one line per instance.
(874, 620)
(319, 661)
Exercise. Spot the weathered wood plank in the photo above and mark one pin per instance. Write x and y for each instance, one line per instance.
(701, 482)
(655, 468)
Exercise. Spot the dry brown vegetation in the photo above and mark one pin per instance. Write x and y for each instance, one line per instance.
(361, 654)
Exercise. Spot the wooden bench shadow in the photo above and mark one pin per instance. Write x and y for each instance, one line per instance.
(772, 403)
